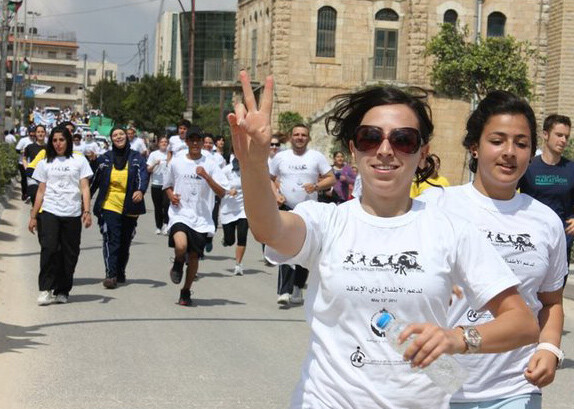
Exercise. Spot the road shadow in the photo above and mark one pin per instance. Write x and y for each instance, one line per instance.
(77, 298)
(5, 223)
(207, 257)
(567, 363)
(37, 253)
(7, 237)
(14, 338)
(129, 281)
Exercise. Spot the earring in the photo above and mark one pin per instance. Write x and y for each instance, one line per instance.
(474, 155)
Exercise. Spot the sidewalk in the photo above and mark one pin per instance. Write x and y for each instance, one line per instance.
(569, 290)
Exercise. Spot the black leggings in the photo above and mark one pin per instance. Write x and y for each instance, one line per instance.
(160, 206)
(229, 232)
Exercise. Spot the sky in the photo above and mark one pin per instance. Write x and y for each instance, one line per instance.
(116, 26)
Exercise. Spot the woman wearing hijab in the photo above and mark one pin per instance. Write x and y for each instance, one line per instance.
(122, 179)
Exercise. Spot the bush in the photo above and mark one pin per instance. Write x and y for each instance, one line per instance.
(8, 164)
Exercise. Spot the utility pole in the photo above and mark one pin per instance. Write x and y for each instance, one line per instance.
(3, 59)
(85, 83)
(15, 69)
(189, 109)
(102, 82)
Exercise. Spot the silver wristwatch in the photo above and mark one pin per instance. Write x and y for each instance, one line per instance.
(472, 339)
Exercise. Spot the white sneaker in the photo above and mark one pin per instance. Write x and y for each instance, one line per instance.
(297, 296)
(45, 298)
(61, 299)
(164, 230)
(158, 231)
(238, 270)
(283, 299)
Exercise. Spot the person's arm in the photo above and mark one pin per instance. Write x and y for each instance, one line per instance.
(216, 187)
(513, 326)
(326, 181)
(251, 134)
(542, 366)
(86, 213)
(142, 180)
(33, 223)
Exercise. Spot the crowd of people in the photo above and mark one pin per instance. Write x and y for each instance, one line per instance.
(476, 270)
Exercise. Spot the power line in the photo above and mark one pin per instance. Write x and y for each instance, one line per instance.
(73, 13)
(103, 43)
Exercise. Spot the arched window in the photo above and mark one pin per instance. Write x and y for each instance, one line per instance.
(495, 25)
(450, 16)
(387, 15)
(326, 28)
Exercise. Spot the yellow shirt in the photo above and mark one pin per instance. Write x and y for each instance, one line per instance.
(116, 195)
(417, 189)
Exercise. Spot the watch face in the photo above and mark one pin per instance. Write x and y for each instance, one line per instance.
(473, 339)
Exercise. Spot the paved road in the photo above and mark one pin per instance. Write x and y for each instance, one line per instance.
(135, 348)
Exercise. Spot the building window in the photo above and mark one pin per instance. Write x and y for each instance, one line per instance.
(68, 55)
(450, 17)
(109, 74)
(253, 52)
(496, 23)
(67, 90)
(326, 28)
(385, 59)
(387, 15)
(91, 72)
(52, 54)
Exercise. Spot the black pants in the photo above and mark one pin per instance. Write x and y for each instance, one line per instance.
(31, 192)
(160, 206)
(229, 229)
(23, 181)
(117, 231)
(215, 216)
(288, 277)
(60, 248)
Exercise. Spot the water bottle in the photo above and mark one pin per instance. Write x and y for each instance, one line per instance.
(445, 371)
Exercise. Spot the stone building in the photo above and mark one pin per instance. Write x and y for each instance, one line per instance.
(316, 49)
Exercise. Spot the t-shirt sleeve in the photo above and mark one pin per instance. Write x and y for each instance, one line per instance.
(219, 176)
(274, 166)
(40, 172)
(480, 269)
(151, 158)
(324, 166)
(85, 170)
(315, 216)
(557, 262)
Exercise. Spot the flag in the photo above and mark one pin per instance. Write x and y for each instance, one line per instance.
(14, 5)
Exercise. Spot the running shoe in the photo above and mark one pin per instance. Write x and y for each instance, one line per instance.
(208, 247)
(283, 299)
(158, 231)
(185, 298)
(238, 270)
(176, 272)
(164, 230)
(61, 299)
(111, 283)
(297, 296)
(45, 298)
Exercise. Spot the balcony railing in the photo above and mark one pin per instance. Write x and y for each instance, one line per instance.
(217, 71)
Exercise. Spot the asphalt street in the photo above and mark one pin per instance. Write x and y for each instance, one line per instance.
(133, 347)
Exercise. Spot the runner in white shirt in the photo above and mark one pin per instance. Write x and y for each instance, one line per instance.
(157, 166)
(177, 142)
(79, 146)
(381, 254)
(300, 174)
(136, 143)
(501, 139)
(208, 151)
(64, 197)
(20, 147)
(233, 216)
(191, 183)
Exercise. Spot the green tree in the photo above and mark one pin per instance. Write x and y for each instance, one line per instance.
(154, 103)
(208, 117)
(111, 95)
(287, 120)
(462, 68)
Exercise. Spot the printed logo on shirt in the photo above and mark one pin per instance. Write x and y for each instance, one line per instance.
(191, 176)
(473, 316)
(298, 167)
(550, 180)
(359, 359)
(375, 323)
(519, 241)
(57, 168)
(399, 263)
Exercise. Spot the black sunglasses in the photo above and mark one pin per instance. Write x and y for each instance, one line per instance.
(405, 140)
(275, 145)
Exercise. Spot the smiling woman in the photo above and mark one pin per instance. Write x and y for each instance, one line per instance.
(360, 249)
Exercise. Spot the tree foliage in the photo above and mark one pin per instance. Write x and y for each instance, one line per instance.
(462, 68)
(154, 103)
(287, 120)
(208, 118)
(111, 95)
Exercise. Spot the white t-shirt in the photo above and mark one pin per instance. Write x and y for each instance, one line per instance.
(160, 170)
(530, 238)
(232, 208)
(362, 265)
(219, 159)
(197, 198)
(92, 147)
(81, 148)
(10, 139)
(176, 144)
(21, 145)
(62, 177)
(138, 145)
(294, 171)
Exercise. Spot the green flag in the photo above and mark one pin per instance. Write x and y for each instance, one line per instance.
(14, 5)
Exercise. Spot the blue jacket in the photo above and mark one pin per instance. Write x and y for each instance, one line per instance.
(138, 179)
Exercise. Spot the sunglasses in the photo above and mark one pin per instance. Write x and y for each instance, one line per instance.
(405, 140)
(275, 145)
